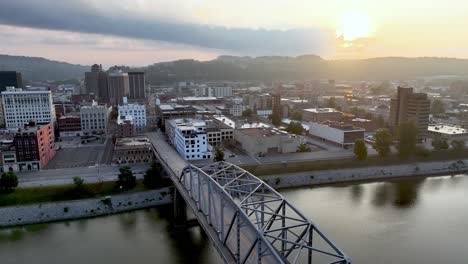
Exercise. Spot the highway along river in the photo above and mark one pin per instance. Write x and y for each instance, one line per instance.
(404, 221)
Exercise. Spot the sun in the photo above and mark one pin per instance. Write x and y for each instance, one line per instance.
(353, 26)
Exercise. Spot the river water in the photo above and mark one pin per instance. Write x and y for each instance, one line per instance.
(404, 221)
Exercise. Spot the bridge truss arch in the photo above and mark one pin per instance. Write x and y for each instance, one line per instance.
(253, 221)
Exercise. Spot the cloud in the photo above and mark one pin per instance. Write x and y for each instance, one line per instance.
(84, 17)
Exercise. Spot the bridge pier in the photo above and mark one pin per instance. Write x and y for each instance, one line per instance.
(180, 209)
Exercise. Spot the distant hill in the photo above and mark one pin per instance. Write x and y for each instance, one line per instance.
(40, 69)
(266, 68)
(306, 67)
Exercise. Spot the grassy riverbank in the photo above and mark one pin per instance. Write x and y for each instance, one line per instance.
(316, 165)
(43, 194)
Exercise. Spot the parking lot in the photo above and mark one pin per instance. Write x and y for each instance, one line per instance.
(76, 157)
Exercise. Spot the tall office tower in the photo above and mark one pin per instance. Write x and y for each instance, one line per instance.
(118, 87)
(410, 107)
(276, 103)
(96, 82)
(20, 107)
(10, 79)
(137, 85)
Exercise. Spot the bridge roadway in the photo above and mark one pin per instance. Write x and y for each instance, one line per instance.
(246, 220)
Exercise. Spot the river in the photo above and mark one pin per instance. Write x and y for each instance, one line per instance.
(403, 221)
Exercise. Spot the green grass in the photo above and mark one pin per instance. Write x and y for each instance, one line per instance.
(316, 165)
(22, 196)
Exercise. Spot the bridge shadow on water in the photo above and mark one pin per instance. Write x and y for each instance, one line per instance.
(190, 244)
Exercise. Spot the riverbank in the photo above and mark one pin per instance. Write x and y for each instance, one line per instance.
(290, 180)
(68, 210)
(266, 169)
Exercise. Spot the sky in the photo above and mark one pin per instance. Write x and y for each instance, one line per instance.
(142, 32)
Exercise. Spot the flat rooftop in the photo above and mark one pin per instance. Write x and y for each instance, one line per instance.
(321, 110)
(448, 130)
(341, 126)
(132, 142)
(172, 107)
(263, 132)
(192, 98)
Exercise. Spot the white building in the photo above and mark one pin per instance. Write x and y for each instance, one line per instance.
(214, 91)
(189, 138)
(94, 118)
(20, 107)
(447, 132)
(338, 133)
(136, 111)
(236, 107)
(220, 91)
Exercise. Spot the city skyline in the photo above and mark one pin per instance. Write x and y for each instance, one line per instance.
(143, 32)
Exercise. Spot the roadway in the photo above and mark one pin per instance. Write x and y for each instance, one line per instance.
(89, 174)
(174, 165)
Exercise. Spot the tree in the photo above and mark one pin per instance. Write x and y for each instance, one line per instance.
(296, 115)
(78, 182)
(295, 128)
(360, 149)
(440, 144)
(247, 113)
(303, 148)
(331, 102)
(126, 178)
(276, 119)
(8, 181)
(219, 155)
(458, 145)
(408, 137)
(437, 107)
(383, 140)
(153, 176)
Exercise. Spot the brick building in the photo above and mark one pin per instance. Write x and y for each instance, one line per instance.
(34, 146)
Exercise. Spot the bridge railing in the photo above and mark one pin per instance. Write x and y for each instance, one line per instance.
(253, 221)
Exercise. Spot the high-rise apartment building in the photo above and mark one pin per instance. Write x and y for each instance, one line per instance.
(410, 107)
(20, 107)
(96, 83)
(118, 87)
(136, 85)
(10, 79)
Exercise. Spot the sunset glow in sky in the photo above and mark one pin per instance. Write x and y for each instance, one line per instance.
(140, 32)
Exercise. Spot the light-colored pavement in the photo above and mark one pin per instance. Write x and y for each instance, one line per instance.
(65, 176)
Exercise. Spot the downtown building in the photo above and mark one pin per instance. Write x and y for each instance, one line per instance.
(32, 148)
(410, 107)
(96, 83)
(20, 107)
(136, 85)
(94, 119)
(10, 79)
(137, 112)
(189, 137)
(118, 87)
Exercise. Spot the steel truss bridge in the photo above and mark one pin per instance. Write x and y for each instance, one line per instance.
(246, 219)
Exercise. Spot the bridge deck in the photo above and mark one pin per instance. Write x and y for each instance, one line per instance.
(174, 165)
(246, 219)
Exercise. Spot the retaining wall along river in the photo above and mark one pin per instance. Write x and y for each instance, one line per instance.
(58, 211)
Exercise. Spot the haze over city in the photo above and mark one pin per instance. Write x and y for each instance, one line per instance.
(215, 131)
(143, 32)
